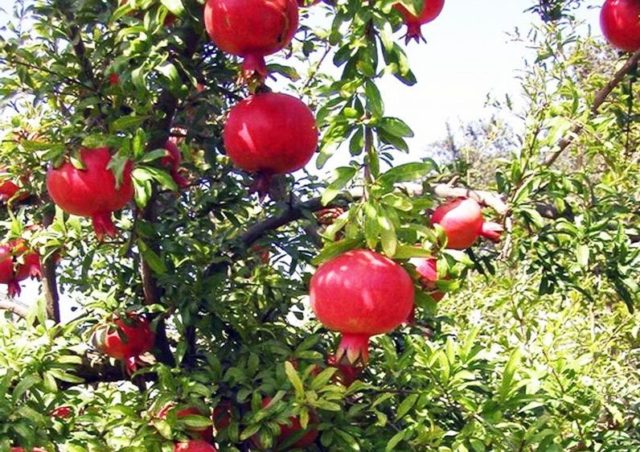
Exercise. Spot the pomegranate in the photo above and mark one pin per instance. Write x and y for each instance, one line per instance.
(262, 253)
(125, 340)
(294, 428)
(222, 415)
(114, 79)
(251, 29)
(463, 223)
(9, 189)
(17, 263)
(430, 10)
(62, 412)
(21, 449)
(92, 192)
(360, 294)
(270, 133)
(194, 445)
(620, 23)
(172, 161)
(204, 433)
(328, 215)
(347, 373)
(427, 268)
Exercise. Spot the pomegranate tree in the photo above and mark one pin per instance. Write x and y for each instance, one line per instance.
(251, 29)
(125, 340)
(430, 10)
(360, 294)
(463, 223)
(91, 192)
(270, 133)
(194, 445)
(204, 433)
(172, 162)
(620, 23)
(17, 263)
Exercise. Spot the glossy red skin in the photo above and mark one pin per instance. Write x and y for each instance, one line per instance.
(194, 445)
(91, 192)
(18, 263)
(8, 190)
(427, 268)
(172, 161)
(140, 339)
(461, 220)
(620, 23)
(431, 10)
(286, 431)
(251, 29)
(205, 433)
(360, 294)
(270, 133)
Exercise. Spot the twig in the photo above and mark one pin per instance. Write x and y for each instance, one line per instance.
(14, 308)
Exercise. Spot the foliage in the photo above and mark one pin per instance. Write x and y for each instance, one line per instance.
(535, 347)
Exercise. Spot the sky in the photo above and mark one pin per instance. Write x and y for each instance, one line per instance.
(468, 55)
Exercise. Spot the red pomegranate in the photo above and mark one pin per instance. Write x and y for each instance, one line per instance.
(430, 10)
(270, 133)
(360, 294)
(62, 412)
(9, 189)
(294, 428)
(251, 29)
(463, 223)
(21, 449)
(427, 268)
(194, 445)
(17, 263)
(620, 23)
(172, 161)
(93, 191)
(204, 433)
(125, 340)
(222, 415)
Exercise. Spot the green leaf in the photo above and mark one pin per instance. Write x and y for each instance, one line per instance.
(509, 373)
(374, 99)
(343, 176)
(396, 127)
(406, 173)
(293, 377)
(127, 122)
(406, 405)
(394, 441)
(408, 252)
(175, 6)
(151, 258)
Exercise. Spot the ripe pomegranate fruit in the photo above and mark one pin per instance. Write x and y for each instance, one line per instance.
(251, 29)
(17, 263)
(360, 294)
(270, 133)
(62, 412)
(204, 433)
(620, 23)
(125, 340)
(293, 429)
(172, 161)
(93, 191)
(194, 445)
(463, 223)
(222, 415)
(430, 10)
(9, 189)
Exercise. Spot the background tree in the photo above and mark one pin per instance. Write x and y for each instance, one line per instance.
(534, 345)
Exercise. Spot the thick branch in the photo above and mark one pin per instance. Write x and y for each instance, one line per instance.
(50, 282)
(487, 198)
(599, 99)
(14, 308)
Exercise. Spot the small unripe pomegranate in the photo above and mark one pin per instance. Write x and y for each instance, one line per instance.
(251, 29)
(93, 191)
(270, 133)
(463, 223)
(172, 161)
(125, 340)
(17, 263)
(194, 445)
(430, 10)
(294, 428)
(361, 294)
(620, 23)
(204, 433)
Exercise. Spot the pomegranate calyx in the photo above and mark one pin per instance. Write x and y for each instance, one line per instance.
(14, 289)
(103, 225)
(354, 348)
(414, 32)
(254, 66)
(491, 231)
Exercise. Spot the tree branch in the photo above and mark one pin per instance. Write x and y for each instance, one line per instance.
(14, 308)
(50, 282)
